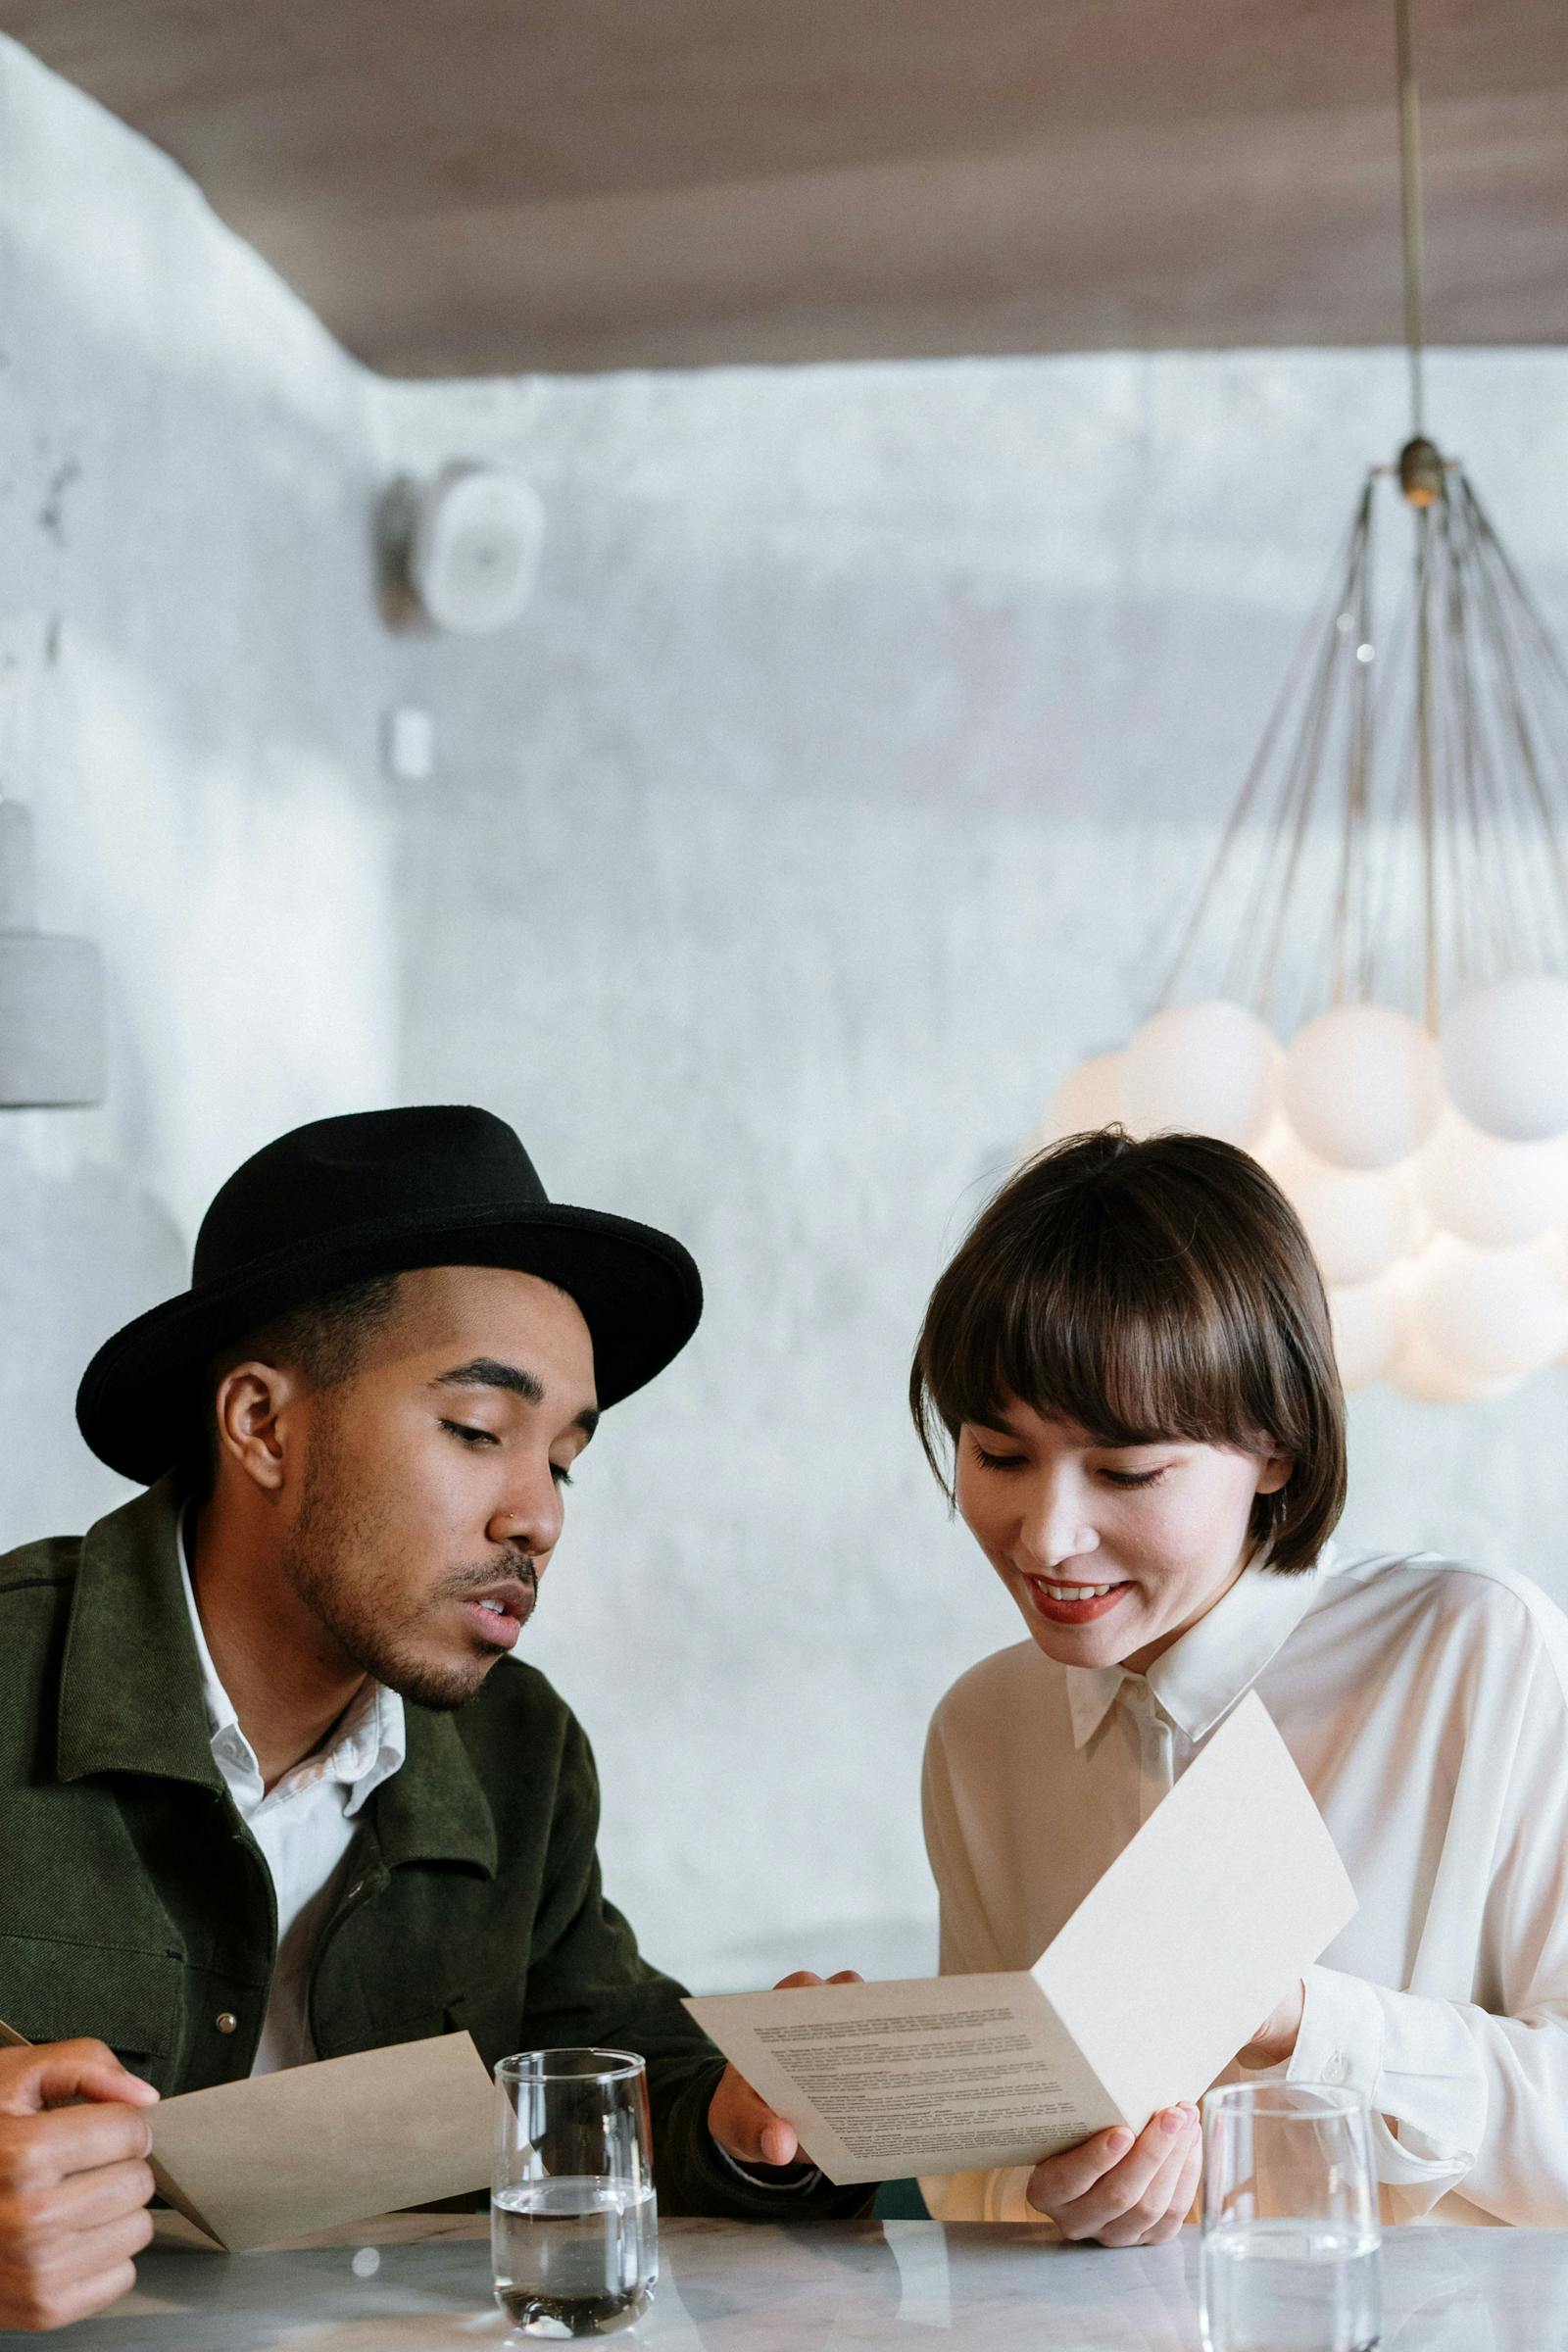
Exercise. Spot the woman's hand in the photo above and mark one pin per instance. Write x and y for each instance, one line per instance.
(1276, 2037)
(1120, 2191)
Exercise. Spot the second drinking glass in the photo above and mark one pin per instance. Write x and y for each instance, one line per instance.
(1291, 2247)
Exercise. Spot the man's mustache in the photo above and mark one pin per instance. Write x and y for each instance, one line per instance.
(519, 1569)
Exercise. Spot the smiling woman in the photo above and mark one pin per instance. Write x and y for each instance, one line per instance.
(1149, 1293)
(1126, 1385)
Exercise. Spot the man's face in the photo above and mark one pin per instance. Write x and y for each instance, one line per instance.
(429, 1500)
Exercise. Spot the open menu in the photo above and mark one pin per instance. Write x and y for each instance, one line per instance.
(1230, 1888)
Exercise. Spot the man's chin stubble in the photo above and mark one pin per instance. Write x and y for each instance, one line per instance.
(419, 1680)
(442, 1690)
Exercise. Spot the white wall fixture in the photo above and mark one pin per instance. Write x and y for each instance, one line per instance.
(1392, 894)
(51, 993)
(408, 744)
(468, 544)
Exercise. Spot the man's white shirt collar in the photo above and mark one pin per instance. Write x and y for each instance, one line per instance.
(371, 1739)
(1201, 1676)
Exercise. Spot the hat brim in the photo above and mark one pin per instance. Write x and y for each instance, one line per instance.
(140, 1403)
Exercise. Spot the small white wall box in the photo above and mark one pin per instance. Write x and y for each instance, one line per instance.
(408, 744)
(51, 993)
(474, 547)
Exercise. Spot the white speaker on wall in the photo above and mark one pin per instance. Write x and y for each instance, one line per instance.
(474, 540)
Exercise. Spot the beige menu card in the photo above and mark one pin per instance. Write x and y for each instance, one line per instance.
(259, 2162)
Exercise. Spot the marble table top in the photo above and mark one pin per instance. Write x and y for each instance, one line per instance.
(422, 2283)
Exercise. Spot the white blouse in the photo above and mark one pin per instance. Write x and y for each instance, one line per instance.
(1426, 1704)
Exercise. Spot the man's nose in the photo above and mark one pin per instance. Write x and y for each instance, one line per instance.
(530, 1519)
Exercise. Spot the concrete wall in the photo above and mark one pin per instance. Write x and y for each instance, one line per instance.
(190, 675)
(845, 782)
(843, 785)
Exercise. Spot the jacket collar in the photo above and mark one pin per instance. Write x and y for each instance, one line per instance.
(131, 1700)
(435, 1810)
(130, 1686)
(1201, 1676)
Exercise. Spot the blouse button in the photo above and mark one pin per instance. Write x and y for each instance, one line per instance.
(226, 2021)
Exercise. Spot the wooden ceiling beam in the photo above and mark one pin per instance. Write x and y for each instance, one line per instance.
(478, 185)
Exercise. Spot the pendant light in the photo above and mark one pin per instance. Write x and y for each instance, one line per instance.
(1384, 934)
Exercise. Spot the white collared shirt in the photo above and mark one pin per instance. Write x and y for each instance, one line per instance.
(304, 1825)
(1426, 1704)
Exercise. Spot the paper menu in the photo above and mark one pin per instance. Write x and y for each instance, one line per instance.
(260, 2161)
(1230, 1888)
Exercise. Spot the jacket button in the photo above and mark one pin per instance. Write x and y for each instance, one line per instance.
(226, 2021)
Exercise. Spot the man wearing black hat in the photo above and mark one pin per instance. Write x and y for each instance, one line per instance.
(262, 1797)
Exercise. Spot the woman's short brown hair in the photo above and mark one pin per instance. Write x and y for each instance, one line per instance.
(1146, 1290)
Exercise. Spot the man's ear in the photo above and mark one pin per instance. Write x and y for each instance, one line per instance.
(252, 1406)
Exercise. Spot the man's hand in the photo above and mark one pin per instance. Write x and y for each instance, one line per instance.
(1276, 2037)
(1120, 2191)
(74, 2181)
(745, 2126)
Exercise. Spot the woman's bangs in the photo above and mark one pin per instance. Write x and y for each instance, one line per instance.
(1131, 1354)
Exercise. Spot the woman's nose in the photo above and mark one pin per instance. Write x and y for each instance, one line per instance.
(1057, 1528)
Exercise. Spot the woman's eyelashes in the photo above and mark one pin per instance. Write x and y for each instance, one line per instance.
(989, 1459)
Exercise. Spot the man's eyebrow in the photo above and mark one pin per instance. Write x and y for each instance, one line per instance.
(490, 1372)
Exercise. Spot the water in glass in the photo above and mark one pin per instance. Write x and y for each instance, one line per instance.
(1290, 2286)
(573, 2256)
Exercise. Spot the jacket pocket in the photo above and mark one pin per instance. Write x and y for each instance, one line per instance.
(55, 1988)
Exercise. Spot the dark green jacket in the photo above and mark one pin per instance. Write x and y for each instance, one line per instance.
(134, 1904)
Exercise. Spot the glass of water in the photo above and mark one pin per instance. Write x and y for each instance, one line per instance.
(1291, 2258)
(573, 2222)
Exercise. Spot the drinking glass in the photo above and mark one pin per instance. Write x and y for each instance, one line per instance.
(573, 2222)
(1290, 2255)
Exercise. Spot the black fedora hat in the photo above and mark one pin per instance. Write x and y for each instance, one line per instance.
(378, 1192)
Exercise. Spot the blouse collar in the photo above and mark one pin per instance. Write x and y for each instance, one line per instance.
(1201, 1676)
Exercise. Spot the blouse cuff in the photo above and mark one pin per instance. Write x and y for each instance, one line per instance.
(1413, 2061)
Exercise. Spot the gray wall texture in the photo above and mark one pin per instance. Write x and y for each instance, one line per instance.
(189, 677)
(845, 781)
(851, 777)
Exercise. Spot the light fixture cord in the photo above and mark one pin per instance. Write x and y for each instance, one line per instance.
(1415, 339)
(1410, 207)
